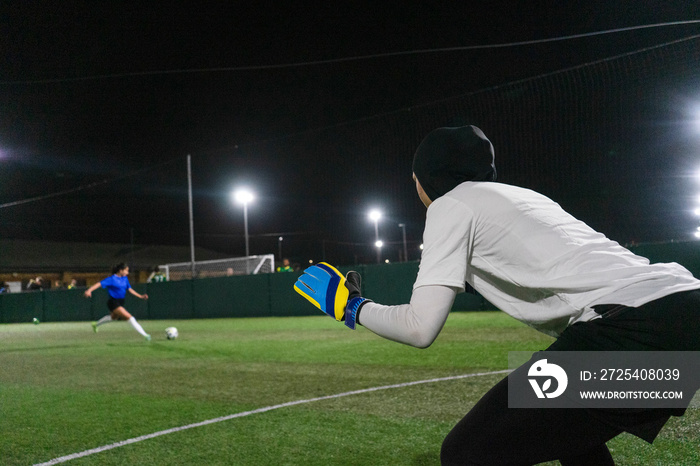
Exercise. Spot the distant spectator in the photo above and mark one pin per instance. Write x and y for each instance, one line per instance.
(285, 267)
(4, 287)
(35, 284)
(73, 283)
(229, 272)
(157, 276)
(58, 284)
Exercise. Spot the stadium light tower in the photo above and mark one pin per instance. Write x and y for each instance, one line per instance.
(375, 215)
(243, 196)
(405, 248)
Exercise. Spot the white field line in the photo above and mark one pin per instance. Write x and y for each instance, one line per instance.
(92, 451)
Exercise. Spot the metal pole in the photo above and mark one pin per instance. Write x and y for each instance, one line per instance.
(376, 239)
(405, 249)
(279, 245)
(245, 226)
(189, 188)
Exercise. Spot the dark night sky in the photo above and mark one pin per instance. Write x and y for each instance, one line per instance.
(82, 100)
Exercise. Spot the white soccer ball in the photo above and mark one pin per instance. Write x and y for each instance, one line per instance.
(171, 333)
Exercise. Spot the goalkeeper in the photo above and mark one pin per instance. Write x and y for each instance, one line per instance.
(542, 266)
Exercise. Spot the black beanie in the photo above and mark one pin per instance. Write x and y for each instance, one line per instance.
(448, 157)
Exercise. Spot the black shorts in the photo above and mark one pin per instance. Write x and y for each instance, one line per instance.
(114, 303)
(492, 433)
(671, 323)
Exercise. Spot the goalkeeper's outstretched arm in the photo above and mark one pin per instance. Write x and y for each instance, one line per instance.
(416, 324)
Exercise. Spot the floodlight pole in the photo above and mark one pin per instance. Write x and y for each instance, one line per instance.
(245, 227)
(375, 215)
(405, 249)
(243, 196)
(189, 189)
(376, 240)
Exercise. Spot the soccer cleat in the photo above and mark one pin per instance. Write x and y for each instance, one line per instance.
(94, 327)
(148, 338)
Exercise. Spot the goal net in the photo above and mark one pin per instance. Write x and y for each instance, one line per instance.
(250, 265)
(610, 133)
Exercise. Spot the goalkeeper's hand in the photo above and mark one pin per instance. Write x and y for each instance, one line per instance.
(326, 288)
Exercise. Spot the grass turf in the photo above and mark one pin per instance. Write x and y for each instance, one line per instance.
(64, 390)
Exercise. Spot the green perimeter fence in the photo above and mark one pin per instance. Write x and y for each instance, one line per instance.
(239, 296)
(261, 295)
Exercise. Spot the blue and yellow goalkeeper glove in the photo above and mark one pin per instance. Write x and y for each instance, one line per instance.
(326, 288)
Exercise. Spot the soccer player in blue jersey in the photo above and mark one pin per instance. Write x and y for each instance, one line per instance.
(117, 285)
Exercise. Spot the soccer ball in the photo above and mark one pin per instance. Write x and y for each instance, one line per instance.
(171, 333)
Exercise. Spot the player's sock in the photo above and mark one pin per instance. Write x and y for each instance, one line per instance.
(104, 320)
(138, 328)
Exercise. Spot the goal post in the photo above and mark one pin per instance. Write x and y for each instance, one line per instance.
(250, 265)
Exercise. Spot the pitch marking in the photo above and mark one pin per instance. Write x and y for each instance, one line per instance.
(92, 451)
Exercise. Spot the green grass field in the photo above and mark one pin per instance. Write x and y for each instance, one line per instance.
(65, 390)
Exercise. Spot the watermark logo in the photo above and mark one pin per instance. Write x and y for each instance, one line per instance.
(603, 379)
(546, 372)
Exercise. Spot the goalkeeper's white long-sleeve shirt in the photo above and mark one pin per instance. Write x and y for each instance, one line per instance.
(416, 324)
(524, 254)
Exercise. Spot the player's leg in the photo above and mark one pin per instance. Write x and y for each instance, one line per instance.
(111, 305)
(123, 314)
(493, 434)
(120, 313)
(104, 320)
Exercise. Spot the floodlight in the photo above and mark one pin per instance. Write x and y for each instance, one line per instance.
(243, 196)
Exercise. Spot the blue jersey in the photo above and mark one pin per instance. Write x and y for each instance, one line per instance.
(116, 286)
